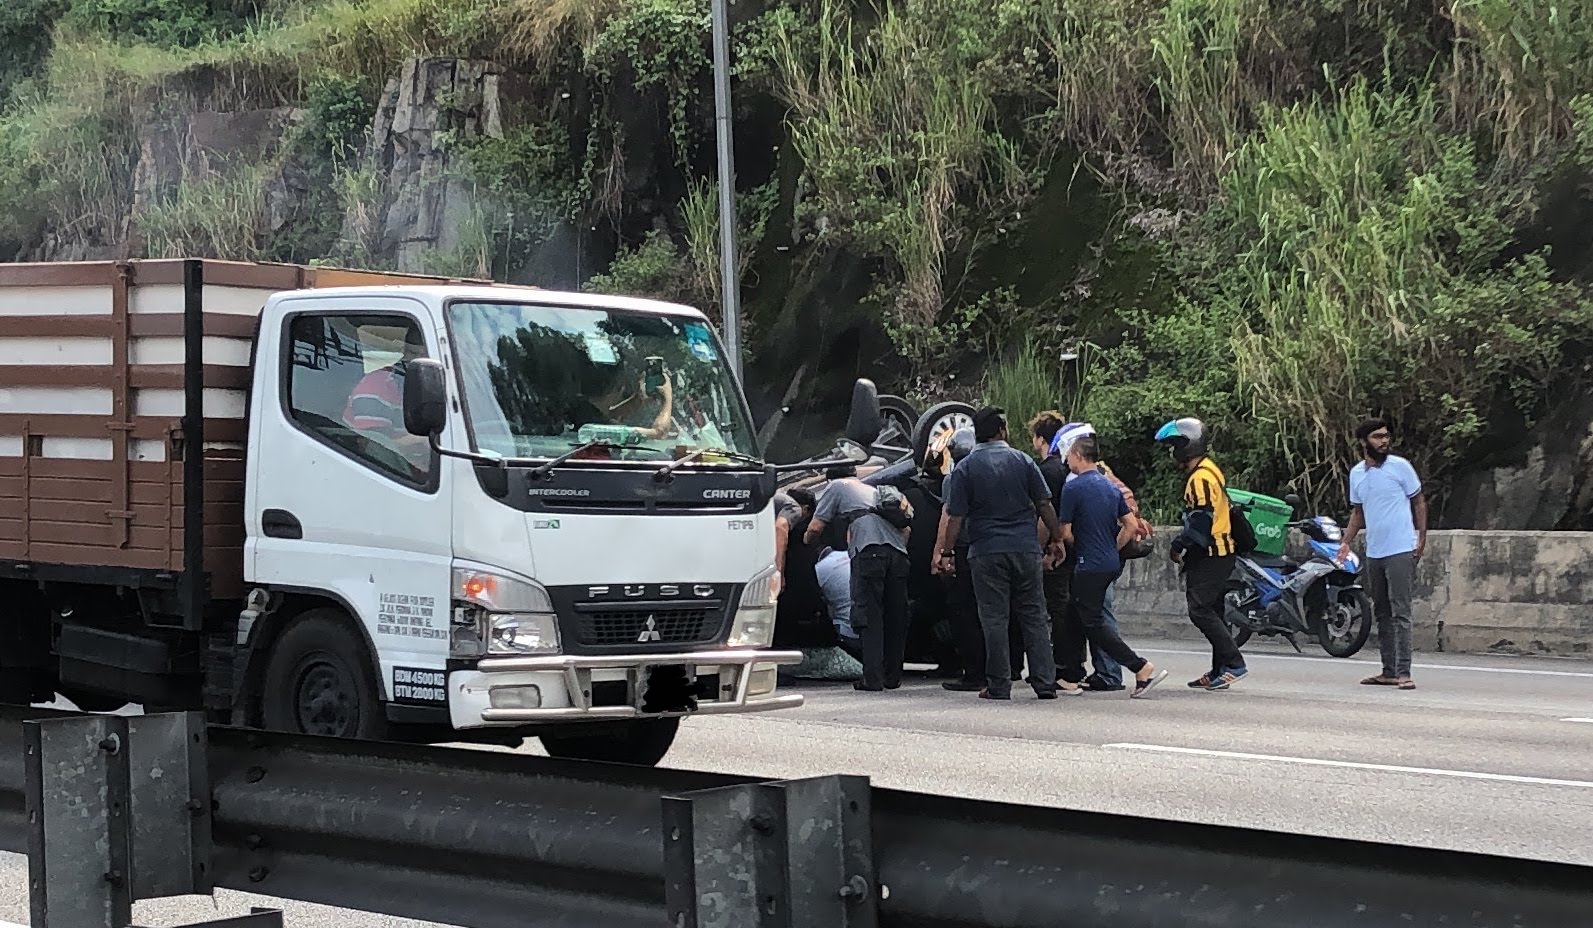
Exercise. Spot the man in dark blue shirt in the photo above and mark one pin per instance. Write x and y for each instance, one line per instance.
(1096, 524)
(999, 491)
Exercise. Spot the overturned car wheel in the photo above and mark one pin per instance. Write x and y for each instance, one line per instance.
(935, 426)
(898, 414)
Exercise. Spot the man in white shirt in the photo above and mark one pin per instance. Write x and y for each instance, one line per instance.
(1391, 507)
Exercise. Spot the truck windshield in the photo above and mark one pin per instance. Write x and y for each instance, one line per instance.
(541, 380)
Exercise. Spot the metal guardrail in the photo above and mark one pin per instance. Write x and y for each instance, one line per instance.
(497, 840)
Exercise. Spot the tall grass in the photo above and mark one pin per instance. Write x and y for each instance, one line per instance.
(898, 141)
(1373, 281)
(1515, 69)
(1202, 86)
(538, 30)
(700, 214)
(1098, 60)
(68, 168)
(215, 216)
(1029, 381)
(360, 190)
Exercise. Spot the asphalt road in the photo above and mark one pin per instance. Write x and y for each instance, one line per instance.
(1491, 754)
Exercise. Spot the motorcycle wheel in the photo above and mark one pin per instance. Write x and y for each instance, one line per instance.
(1230, 604)
(1343, 628)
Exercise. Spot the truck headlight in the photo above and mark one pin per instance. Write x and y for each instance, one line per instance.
(754, 624)
(495, 614)
(524, 633)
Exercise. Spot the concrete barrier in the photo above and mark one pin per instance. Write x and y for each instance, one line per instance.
(1476, 592)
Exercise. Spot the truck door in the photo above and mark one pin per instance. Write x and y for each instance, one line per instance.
(342, 499)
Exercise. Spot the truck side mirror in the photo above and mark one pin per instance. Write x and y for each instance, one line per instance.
(425, 397)
(866, 421)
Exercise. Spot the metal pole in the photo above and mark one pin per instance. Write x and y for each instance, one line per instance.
(729, 276)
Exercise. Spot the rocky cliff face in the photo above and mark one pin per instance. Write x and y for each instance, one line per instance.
(1545, 482)
(416, 203)
(424, 205)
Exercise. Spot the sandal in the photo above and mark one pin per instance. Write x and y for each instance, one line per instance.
(1141, 687)
(1406, 683)
(1380, 680)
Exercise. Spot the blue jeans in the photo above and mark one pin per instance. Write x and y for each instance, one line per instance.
(1108, 670)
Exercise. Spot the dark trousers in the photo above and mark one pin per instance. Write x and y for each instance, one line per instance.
(1070, 651)
(1058, 585)
(1087, 623)
(1389, 580)
(1010, 588)
(879, 612)
(1205, 584)
(966, 631)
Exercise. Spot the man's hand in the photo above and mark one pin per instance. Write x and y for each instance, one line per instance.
(1056, 550)
(944, 566)
(1344, 552)
(1421, 547)
(1176, 555)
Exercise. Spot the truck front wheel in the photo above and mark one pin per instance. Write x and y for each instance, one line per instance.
(318, 681)
(643, 744)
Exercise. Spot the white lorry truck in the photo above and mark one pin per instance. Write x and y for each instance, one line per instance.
(366, 505)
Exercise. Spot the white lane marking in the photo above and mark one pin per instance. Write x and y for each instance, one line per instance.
(11, 925)
(1340, 660)
(1388, 768)
(1589, 721)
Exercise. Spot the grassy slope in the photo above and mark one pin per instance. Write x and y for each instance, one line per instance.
(1307, 212)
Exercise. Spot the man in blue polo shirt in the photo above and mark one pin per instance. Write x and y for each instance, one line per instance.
(999, 492)
(1097, 522)
(1390, 505)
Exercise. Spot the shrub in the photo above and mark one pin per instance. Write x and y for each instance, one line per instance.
(654, 268)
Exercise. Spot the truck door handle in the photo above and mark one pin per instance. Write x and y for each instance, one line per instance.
(279, 523)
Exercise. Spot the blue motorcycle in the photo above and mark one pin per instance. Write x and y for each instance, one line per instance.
(1319, 596)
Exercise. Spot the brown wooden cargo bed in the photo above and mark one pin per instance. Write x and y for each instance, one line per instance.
(104, 368)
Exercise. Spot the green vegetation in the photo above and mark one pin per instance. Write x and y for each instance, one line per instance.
(1278, 216)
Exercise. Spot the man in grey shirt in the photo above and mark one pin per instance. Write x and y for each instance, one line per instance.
(999, 492)
(878, 551)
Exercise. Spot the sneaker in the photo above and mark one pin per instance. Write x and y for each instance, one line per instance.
(1045, 694)
(986, 694)
(962, 686)
(1228, 679)
(1201, 682)
(1096, 685)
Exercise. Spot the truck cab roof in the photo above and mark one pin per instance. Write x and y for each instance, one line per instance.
(438, 294)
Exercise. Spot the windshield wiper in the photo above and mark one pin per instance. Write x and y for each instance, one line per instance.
(668, 470)
(545, 471)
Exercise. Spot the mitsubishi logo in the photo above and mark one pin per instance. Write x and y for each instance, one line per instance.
(650, 633)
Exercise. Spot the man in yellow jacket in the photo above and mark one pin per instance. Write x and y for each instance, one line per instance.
(1205, 548)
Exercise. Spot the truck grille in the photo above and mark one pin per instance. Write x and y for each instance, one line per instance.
(649, 626)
